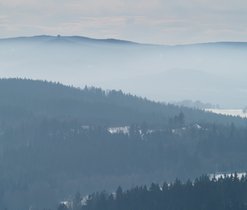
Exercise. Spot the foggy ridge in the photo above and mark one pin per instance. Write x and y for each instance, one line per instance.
(210, 72)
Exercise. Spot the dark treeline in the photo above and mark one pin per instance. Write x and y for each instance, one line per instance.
(23, 99)
(225, 193)
(55, 140)
(42, 164)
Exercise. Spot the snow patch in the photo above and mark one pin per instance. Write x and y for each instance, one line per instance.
(117, 130)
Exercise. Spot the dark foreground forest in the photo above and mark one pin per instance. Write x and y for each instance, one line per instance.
(57, 140)
(225, 193)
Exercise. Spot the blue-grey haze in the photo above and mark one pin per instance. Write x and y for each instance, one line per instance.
(213, 72)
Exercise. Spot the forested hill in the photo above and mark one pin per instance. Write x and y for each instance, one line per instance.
(56, 140)
(204, 193)
(29, 99)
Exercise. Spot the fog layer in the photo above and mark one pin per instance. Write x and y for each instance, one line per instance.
(213, 72)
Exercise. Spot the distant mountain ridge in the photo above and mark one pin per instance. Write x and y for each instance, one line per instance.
(212, 72)
(48, 38)
(118, 41)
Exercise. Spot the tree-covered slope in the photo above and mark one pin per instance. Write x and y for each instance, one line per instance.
(56, 140)
(22, 99)
(204, 193)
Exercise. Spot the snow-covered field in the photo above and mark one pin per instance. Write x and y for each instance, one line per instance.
(231, 112)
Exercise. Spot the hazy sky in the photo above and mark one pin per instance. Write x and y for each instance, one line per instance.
(152, 21)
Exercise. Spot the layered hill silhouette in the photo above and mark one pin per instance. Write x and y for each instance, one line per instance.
(29, 99)
(210, 72)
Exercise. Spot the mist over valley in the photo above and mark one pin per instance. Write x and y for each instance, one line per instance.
(210, 72)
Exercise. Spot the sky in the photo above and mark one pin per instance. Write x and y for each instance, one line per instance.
(145, 21)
